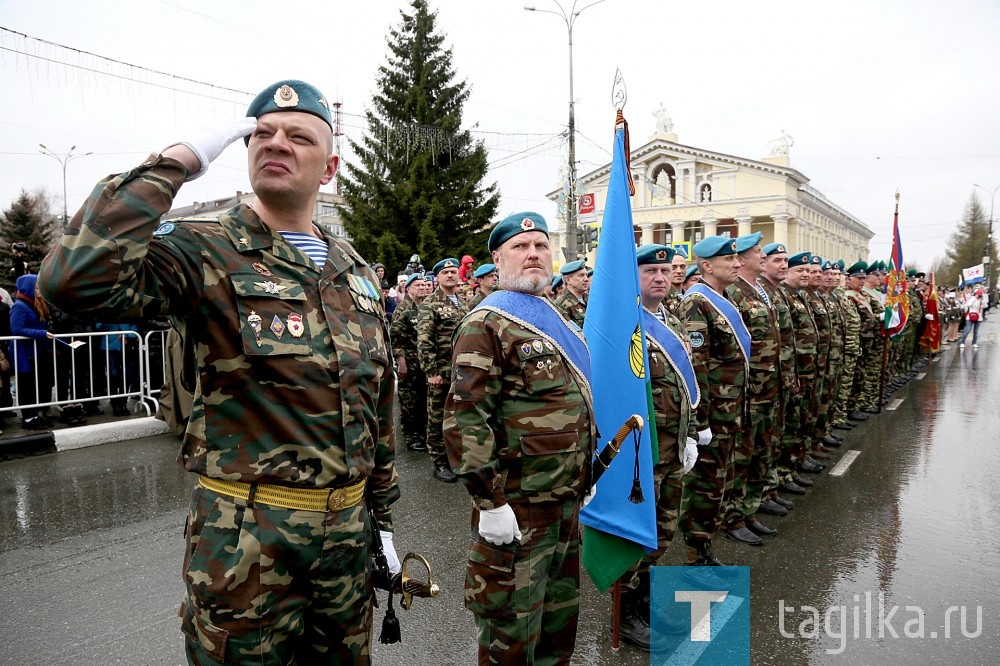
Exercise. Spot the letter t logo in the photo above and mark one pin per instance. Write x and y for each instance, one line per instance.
(701, 610)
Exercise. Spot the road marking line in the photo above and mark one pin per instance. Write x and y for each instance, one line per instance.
(921, 375)
(893, 404)
(844, 463)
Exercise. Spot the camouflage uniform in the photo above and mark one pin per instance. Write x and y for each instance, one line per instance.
(871, 395)
(914, 326)
(673, 302)
(793, 442)
(835, 364)
(869, 348)
(437, 319)
(788, 378)
(413, 385)
(572, 307)
(757, 443)
(721, 369)
(814, 415)
(295, 388)
(852, 351)
(519, 430)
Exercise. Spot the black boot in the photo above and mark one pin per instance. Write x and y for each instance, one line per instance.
(634, 626)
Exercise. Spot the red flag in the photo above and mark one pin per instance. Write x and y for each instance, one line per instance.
(930, 340)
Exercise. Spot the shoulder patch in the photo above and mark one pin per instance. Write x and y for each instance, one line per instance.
(165, 229)
(697, 339)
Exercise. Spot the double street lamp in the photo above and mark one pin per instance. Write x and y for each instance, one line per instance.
(569, 18)
(988, 252)
(64, 160)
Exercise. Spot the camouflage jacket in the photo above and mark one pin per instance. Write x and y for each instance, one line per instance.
(671, 404)
(295, 385)
(760, 318)
(518, 423)
(837, 323)
(821, 317)
(673, 302)
(404, 331)
(805, 336)
(571, 307)
(852, 324)
(718, 363)
(865, 314)
(786, 335)
(437, 319)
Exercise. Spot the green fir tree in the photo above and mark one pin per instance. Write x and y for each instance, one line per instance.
(416, 186)
(969, 244)
(29, 220)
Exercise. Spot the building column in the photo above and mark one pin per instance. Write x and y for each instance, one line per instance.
(647, 232)
(709, 226)
(676, 231)
(780, 228)
(744, 221)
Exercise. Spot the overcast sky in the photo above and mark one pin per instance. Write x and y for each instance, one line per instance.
(878, 95)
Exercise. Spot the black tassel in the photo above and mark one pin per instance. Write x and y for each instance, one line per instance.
(636, 495)
(390, 626)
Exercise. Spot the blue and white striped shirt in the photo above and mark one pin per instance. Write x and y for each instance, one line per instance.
(314, 248)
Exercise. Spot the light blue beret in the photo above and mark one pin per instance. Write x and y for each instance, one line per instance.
(715, 246)
(691, 271)
(290, 95)
(800, 259)
(651, 253)
(774, 248)
(450, 262)
(744, 243)
(484, 270)
(572, 267)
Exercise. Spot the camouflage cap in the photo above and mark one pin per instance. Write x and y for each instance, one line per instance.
(450, 262)
(484, 270)
(290, 95)
(748, 242)
(515, 224)
(651, 253)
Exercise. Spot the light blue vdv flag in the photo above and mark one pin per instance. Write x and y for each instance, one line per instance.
(619, 531)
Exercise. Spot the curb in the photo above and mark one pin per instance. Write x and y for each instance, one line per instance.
(67, 439)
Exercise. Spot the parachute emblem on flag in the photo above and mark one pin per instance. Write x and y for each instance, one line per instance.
(636, 358)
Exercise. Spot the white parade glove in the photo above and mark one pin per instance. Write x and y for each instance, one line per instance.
(390, 552)
(591, 495)
(690, 454)
(705, 437)
(929, 317)
(498, 526)
(207, 143)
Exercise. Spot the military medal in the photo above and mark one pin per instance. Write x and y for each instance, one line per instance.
(526, 348)
(262, 269)
(245, 242)
(255, 322)
(537, 346)
(295, 326)
(277, 326)
(548, 345)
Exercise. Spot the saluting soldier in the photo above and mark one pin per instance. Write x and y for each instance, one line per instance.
(291, 428)
(486, 275)
(720, 350)
(437, 319)
(520, 433)
(757, 443)
(412, 381)
(576, 286)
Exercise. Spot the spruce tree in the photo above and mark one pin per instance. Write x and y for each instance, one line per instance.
(968, 245)
(29, 220)
(416, 187)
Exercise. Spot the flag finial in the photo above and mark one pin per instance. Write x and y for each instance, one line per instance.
(619, 94)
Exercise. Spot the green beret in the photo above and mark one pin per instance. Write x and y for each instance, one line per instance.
(840, 265)
(515, 224)
(651, 253)
(774, 248)
(715, 246)
(572, 267)
(800, 259)
(748, 242)
(858, 268)
(290, 95)
(450, 262)
(691, 271)
(816, 260)
(484, 270)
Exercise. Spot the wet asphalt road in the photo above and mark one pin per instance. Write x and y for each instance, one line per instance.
(91, 546)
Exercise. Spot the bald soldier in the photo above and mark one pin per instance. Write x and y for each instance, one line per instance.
(520, 434)
(290, 432)
(720, 351)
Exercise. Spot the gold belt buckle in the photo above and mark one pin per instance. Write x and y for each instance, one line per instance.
(336, 499)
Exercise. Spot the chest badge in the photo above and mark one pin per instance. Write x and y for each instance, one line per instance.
(262, 269)
(277, 326)
(295, 326)
(256, 325)
(269, 286)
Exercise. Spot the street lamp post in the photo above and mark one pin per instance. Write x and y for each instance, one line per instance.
(64, 160)
(569, 18)
(988, 258)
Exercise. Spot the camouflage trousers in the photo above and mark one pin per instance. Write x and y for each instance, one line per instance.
(810, 409)
(870, 394)
(791, 450)
(827, 400)
(861, 372)
(435, 421)
(706, 490)
(413, 405)
(274, 586)
(525, 597)
(752, 461)
(668, 480)
(846, 398)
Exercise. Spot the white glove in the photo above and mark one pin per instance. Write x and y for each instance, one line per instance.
(207, 143)
(498, 526)
(929, 317)
(390, 552)
(690, 454)
(591, 495)
(705, 437)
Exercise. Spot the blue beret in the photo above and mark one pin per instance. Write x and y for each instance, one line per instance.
(515, 224)
(744, 243)
(450, 262)
(816, 260)
(590, 272)
(557, 281)
(651, 253)
(413, 278)
(691, 271)
(800, 259)
(829, 265)
(774, 248)
(715, 246)
(858, 268)
(572, 267)
(484, 270)
(290, 95)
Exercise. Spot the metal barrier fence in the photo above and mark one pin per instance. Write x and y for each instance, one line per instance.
(81, 368)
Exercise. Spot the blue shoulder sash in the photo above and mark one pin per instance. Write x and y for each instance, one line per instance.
(728, 312)
(677, 355)
(537, 314)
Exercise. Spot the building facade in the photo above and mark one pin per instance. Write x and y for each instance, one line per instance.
(326, 215)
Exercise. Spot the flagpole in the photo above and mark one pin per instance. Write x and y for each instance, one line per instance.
(616, 615)
(885, 329)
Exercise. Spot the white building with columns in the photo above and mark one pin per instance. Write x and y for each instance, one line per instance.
(683, 194)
